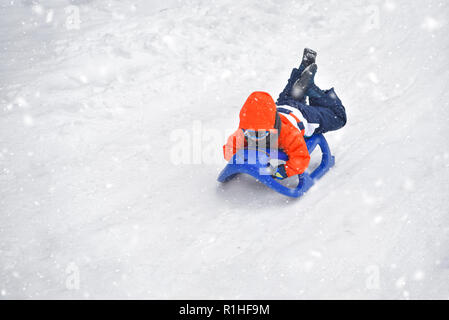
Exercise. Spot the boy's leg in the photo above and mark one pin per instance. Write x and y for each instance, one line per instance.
(325, 109)
(286, 93)
(307, 59)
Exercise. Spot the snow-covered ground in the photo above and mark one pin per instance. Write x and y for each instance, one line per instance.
(94, 202)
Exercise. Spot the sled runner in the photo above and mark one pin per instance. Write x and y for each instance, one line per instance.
(256, 164)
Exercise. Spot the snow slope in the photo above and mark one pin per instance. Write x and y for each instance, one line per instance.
(93, 204)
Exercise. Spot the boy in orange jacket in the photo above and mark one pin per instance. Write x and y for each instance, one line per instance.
(290, 119)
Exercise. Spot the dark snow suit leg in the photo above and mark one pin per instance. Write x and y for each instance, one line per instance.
(286, 93)
(325, 107)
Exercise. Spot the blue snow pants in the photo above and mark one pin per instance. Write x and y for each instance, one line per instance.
(324, 107)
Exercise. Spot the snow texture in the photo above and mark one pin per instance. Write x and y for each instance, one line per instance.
(92, 204)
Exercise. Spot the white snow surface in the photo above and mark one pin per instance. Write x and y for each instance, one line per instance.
(93, 205)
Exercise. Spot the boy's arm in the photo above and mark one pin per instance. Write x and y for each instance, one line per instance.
(294, 145)
(235, 142)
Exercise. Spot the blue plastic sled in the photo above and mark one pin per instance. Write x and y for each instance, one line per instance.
(256, 164)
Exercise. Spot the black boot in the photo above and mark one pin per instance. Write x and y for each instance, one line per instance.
(301, 85)
(308, 57)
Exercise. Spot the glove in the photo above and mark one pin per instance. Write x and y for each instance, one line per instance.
(280, 172)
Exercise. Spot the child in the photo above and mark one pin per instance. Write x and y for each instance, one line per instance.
(290, 118)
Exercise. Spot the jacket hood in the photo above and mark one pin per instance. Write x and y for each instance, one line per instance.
(258, 112)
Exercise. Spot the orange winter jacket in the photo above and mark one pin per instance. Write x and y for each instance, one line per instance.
(259, 113)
